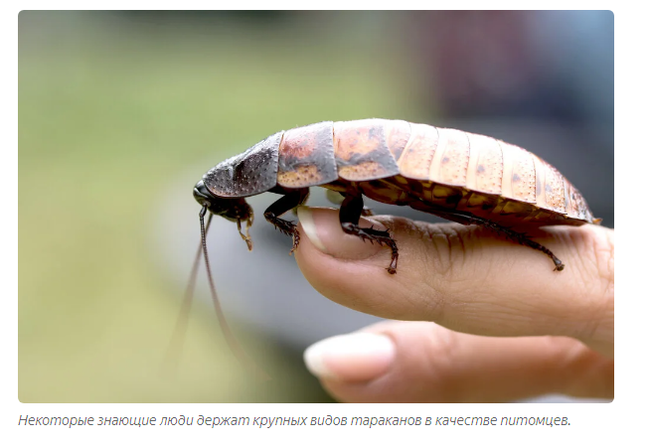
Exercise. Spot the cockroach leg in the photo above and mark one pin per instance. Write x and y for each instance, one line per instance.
(247, 238)
(338, 197)
(349, 215)
(522, 239)
(285, 204)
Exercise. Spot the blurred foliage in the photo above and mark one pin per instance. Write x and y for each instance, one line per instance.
(111, 106)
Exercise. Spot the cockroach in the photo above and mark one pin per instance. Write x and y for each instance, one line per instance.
(459, 176)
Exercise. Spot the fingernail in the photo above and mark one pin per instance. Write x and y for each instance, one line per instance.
(323, 228)
(353, 357)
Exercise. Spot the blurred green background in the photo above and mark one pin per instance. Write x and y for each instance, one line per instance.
(114, 107)
(111, 106)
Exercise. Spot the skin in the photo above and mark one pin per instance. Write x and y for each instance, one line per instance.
(489, 320)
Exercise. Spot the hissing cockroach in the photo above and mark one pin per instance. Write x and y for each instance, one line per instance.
(460, 176)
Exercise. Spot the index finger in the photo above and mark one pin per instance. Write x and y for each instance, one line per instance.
(466, 278)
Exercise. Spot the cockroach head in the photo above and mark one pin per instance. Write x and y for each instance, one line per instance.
(233, 209)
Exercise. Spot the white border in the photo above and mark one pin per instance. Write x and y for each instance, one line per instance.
(589, 422)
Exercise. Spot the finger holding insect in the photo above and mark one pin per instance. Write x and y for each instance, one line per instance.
(464, 177)
(466, 278)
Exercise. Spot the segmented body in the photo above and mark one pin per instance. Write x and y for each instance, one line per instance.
(468, 178)
(396, 162)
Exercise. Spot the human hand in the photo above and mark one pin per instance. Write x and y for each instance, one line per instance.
(501, 324)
